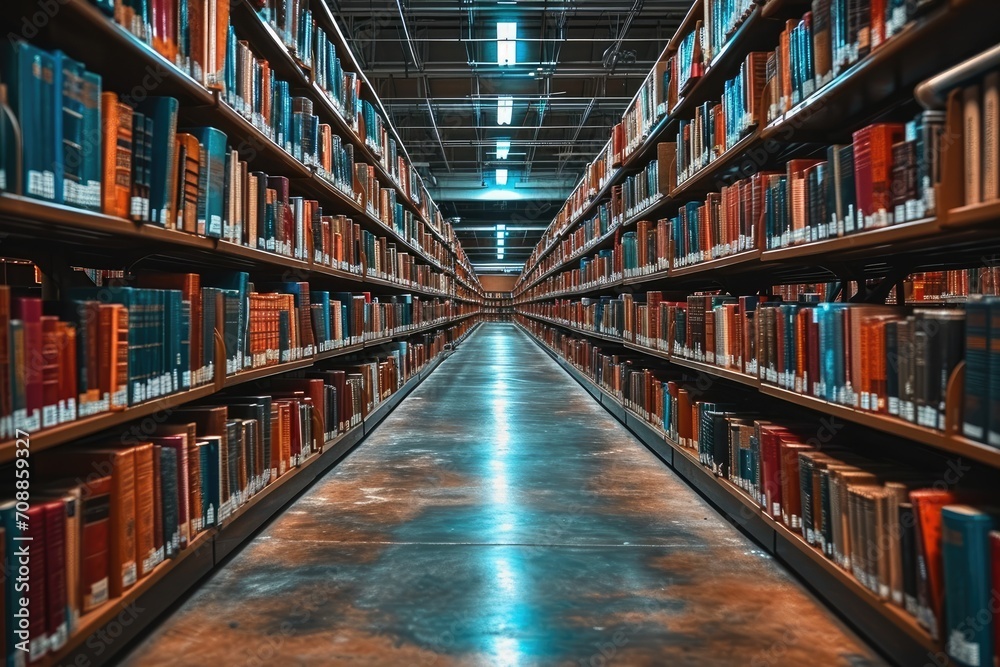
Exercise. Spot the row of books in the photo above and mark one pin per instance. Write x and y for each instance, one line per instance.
(916, 542)
(200, 40)
(891, 360)
(638, 192)
(886, 176)
(810, 53)
(105, 514)
(130, 162)
(649, 106)
(981, 139)
(115, 346)
(718, 126)
(827, 40)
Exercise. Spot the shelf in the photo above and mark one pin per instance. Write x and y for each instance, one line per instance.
(88, 426)
(190, 565)
(286, 67)
(171, 579)
(103, 237)
(895, 632)
(938, 440)
(200, 105)
(888, 74)
(973, 215)
(886, 424)
(717, 264)
(884, 624)
(81, 428)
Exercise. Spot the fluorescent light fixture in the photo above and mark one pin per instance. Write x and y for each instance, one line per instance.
(503, 148)
(499, 253)
(506, 44)
(505, 109)
(500, 242)
(501, 177)
(501, 226)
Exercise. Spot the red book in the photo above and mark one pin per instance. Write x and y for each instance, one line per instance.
(29, 311)
(50, 370)
(37, 593)
(312, 388)
(95, 544)
(55, 572)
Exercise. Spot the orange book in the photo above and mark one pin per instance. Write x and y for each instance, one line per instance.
(927, 505)
(145, 513)
(112, 362)
(188, 157)
(119, 464)
(116, 159)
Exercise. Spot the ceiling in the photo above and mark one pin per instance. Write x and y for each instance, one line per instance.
(576, 65)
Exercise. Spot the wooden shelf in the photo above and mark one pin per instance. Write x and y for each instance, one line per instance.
(203, 106)
(88, 426)
(938, 440)
(170, 579)
(973, 215)
(81, 428)
(198, 550)
(740, 259)
(898, 634)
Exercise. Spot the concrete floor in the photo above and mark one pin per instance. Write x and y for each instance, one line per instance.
(501, 517)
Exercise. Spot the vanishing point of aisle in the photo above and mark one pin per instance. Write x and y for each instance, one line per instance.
(501, 517)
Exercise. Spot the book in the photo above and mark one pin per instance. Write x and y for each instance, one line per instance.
(972, 143)
(968, 587)
(117, 155)
(162, 112)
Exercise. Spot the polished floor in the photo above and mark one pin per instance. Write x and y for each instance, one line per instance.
(500, 516)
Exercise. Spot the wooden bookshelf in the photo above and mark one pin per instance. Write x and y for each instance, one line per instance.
(88, 426)
(889, 627)
(200, 105)
(171, 579)
(949, 442)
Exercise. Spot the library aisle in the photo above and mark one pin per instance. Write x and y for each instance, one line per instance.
(501, 517)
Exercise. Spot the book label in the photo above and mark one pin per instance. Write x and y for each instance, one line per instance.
(129, 574)
(963, 650)
(50, 415)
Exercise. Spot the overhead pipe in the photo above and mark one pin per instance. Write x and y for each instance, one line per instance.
(406, 33)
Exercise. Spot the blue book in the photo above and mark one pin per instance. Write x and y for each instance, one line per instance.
(32, 76)
(162, 111)
(211, 197)
(209, 458)
(965, 550)
(993, 406)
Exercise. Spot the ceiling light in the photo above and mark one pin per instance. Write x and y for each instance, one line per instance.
(505, 109)
(501, 177)
(503, 148)
(500, 243)
(500, 253)
(506, 44)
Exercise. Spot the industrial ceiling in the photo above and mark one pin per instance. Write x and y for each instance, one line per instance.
(461, 79)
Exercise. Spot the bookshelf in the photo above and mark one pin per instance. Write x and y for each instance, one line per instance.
(413, 289)
(498, 307)
(591, 304)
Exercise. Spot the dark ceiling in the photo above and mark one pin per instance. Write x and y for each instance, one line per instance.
(434, 65)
